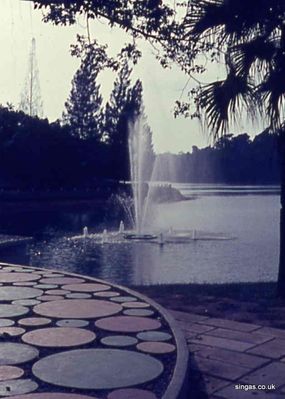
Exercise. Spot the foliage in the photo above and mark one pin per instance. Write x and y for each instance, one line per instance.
(233, 160)
(151, 19)
(124, 108)
(31, 152)
(158, 22)
(251, 42)
(84, 110)
(84, 106)
(41, 155)
(120, 96)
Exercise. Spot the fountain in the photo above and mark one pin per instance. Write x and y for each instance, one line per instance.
(85, 232)
(147, 193)
(139, 158)
(105, 236)
(145, 171)
(121, 227)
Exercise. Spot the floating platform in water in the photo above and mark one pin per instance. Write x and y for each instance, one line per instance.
(135, 236)
(7, 241)
(160, 237)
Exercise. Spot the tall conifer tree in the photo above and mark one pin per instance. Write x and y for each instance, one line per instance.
(123, 109)
(84, 105)
(120, 96)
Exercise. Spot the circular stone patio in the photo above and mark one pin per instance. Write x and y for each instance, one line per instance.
(78, 337)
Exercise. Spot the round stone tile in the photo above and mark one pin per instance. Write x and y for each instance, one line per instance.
(53, 395)
(86, 287)
(10, 372)
(62, 280)
(119, 340)
(50, 297)
(34, 321)
(26, 302)
(13, 353)
(106, 294)
(12, 331)
(25, 284)
(59, 337)
(131, 394)
(154, 336)
(156, 347)
(46, 286)
(17, 277)
(113, 368)
(127, 324)
(77, 308)
(138, 312)
(124, 299)
(12, 310)
(6, 322)
(17, 387)
(57, 292)
(12, 293)
(72, 323)
(135, 305)
(78, 295)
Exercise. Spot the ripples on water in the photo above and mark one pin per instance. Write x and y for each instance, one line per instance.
(253, 256)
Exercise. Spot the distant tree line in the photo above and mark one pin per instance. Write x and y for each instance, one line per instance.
(41, 155)
(233, 160)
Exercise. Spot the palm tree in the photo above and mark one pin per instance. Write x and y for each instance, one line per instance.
(250, 37)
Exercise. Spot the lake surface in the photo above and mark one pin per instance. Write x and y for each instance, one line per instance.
(250, 215)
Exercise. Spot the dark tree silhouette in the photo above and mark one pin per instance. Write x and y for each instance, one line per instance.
(124, 107)
(251, 41)
(232, 160)
(84, 106)
(120, 96)
(31, 152)
(31, 155)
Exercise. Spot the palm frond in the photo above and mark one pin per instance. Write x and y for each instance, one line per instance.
(272, 93)
(232, 18)
(223, 101)
(245, 55)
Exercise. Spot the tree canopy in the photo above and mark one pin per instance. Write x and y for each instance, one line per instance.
(232, 160)
(161, 23)
(84, 105)
(250, 40)
(153, 20)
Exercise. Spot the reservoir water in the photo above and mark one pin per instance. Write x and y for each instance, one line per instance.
(248, 214)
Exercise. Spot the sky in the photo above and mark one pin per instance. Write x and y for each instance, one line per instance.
(20, 23)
